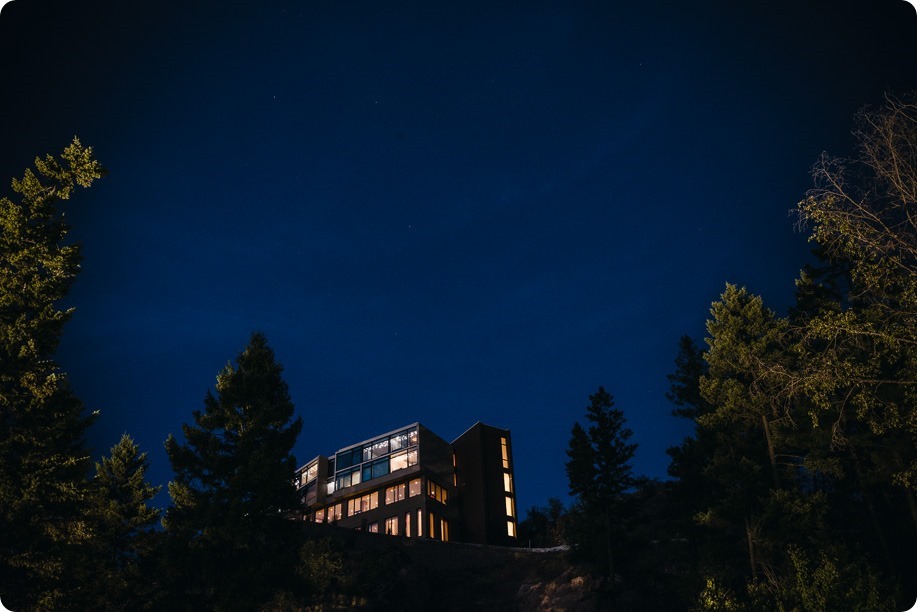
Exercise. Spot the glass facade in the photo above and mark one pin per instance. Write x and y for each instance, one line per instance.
(376, 458)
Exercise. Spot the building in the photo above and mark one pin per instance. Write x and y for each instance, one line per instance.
(410, 482)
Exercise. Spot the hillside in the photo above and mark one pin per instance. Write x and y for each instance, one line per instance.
(381, 572)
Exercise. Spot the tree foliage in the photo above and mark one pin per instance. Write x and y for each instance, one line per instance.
(805, 446)
(124, 574)
(43, 459)
(599, 474)
(233, 491)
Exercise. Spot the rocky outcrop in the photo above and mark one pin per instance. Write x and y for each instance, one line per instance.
(567, 592)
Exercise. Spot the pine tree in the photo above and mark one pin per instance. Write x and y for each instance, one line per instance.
(233, 490)
(123, 573)
(599, 469)
(43, 459)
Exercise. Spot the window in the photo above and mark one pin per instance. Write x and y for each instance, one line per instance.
(309, 488)
(329, 486)
(334, 513)
(362, 504)
(375, 450)
(394, 494)
(510, 529)
(412, 437)
(305, 476)
(347, 479)
(380, 468)
(373, 528)
(432, 523)
(349, 458)
(436, 492)
(505, 451)
(443, 530)
(404, 460)
(319, 516)
(419, 523)
(507, 483)
(414, 487)
(391, 526)
(510, 507)
(398, 441)
(407, 524)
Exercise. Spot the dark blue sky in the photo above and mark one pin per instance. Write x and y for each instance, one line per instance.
(444, 212)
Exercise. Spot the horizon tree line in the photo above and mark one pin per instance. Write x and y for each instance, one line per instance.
(796, 490)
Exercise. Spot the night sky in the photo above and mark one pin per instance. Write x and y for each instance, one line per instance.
(441, 212)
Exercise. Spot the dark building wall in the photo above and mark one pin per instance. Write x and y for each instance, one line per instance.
(488, 512)
(436, 457)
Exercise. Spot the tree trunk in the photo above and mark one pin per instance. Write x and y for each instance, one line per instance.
(611, 558)
(770, 451)
(912, 504)
(873, 515)
(751, 550)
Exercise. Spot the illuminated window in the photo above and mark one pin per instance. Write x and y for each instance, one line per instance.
(510, 507)
(373, 528)
(412, 437)
(414, 487)
(431, 525)
(505, 452)
(348, 479)
(306, 476)
(329, 486)
(334, 513)
(375, 450)
(391, 526)
(510, 529)
(407, 524)
(507, 483)
(394, 494)
(404, 460)
(362, 504)
(436, 492)
(444, 530)
(320, 516)
(420, 523)
(398, 441)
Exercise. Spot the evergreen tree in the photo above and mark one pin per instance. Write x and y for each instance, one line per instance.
(124, 575)
(232, 540)
(599, 469)
(43, 460)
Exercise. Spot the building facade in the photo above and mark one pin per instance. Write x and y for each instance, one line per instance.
(411, 483)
